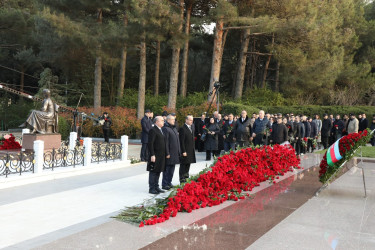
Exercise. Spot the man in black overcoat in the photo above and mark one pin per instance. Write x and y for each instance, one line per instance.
(199, 132)
(243, 130)
(299, 129)
(307, 126)
(279, 132)
(338, 128)
(106, 126)
(363, 123)
(173, 151)
(157, 148)
(186, 134)
(146, 124)
(228, 131)
(326, 130)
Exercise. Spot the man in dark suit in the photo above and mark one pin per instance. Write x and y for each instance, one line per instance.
(199, 132)
(173, 151)
(146, 124)
(326, 130)
(106, 126)
(363, 123)
(279, 132)
(299, 129)
(186, 134)
(228, 131)
(157, 147)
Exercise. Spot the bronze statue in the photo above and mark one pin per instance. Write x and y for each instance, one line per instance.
(45, 120)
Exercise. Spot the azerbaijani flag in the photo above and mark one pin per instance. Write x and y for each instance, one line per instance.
(333, 153)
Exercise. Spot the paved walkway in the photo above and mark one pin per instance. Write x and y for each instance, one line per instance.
(38, 213)
(339, 218)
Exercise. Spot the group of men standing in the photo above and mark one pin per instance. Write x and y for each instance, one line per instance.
(163, 146)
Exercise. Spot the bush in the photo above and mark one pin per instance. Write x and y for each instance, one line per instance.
(236, 108)
(255, 97)
(14, 115)
(320, 110)
(64, 127)
(156, 104)
(195, 111)
(124, 122)
(196, 99)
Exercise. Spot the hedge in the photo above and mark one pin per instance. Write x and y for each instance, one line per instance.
(320, 110)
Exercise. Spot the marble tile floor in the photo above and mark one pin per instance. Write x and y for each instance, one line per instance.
(31, 211)
(118, 235)
(285, 215)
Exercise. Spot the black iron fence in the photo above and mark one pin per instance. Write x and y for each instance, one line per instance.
(20, 162)
(105, 152)
(63, 157)
(16, 163)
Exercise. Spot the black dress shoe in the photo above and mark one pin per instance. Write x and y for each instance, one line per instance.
(153, 191)
(166, 188)
(159, 190)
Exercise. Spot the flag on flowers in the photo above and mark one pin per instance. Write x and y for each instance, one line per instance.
(333, 153)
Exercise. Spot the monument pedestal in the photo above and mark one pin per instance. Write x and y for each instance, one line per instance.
(50, 141)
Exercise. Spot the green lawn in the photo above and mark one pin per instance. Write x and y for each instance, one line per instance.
(366, 152)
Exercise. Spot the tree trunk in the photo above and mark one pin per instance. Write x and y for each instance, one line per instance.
(121, 81)
(216, 56)
(185, 54)
(242, 64)
(254, 59)
(142, 81)
(157, 69)
(98, 72)
(173, 80)
(248, 71)
(277, 80)
(265, 72)
(22, 83)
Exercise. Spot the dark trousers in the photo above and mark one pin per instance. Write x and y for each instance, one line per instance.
(106, 135)
(325, 141)
(298, 146)
(168, 176)
(372, 141)
(242, 144)
(153, 180)
(229, 146)
(216, 152)
(200, 145)
(310, 145)
(258, 140)
(184, 172)
(144, 152)
(211, 152)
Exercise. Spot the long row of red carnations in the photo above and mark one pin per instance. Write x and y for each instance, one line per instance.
(231, 175)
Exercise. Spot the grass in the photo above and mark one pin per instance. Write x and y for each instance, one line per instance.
(367, 151)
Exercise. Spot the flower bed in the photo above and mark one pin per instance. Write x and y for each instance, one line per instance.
(232, 174)
(347, 145)
(9, 142)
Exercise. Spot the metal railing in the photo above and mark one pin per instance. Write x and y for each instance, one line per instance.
(63, 157)
(105, 152)
(16, 163)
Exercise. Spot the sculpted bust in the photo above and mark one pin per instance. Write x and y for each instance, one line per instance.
(44, 120)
